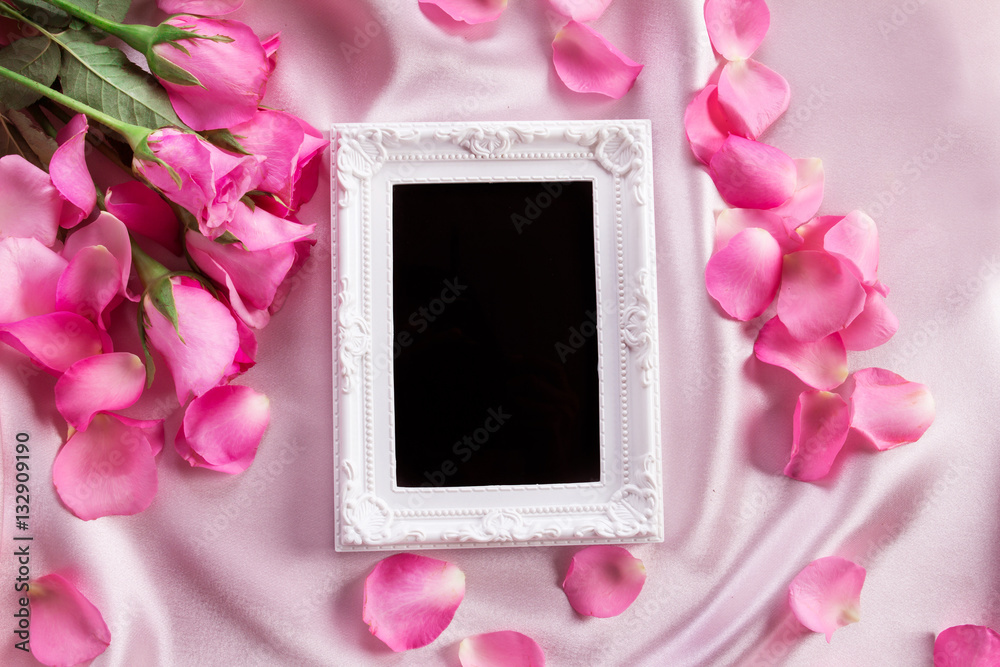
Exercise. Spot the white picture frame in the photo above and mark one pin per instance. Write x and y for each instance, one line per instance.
(626, 505)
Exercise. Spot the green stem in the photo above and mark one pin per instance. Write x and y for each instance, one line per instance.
(137, 36)
(135, 135)
(149, 269)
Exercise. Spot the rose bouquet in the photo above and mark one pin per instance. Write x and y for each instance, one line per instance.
(147, 222)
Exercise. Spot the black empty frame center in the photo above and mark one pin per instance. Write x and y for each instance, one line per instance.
(495, 334)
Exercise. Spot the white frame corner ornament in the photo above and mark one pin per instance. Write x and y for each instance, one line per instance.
(626, 504)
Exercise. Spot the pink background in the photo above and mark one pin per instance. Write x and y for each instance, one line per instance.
(241, 570)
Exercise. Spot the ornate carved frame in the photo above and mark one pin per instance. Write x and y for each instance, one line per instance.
(626, 505)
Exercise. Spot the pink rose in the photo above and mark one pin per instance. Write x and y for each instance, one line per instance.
(291, 149)
(211, 180)
(231, 73)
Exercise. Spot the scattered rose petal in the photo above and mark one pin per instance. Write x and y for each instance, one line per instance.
(470, 11)
(55, 341)
(814, 231)
(411, 599)
(736, 27)
(107, 231)
(109, 468)
(100, 383)
(200, 351)
(744, 276)
(705, 124)
(580, 10)
(819, 431)
(854, 238)
(603, 580)
(145, 212)
(874, 326)
(90, 283)
(732, 221)
(890, 410)
(29, 273)
(588, 63)
(819, 295)
(30, 205)
(753, 97)
(826, 595)
(66, 628)
(199, 7)
(821, 364)
(808, 197)
(500, 649)
(967, 646)
(750, 174)
(223, 427)
(70, 175)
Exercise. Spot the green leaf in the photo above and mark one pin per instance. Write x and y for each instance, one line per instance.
(103, 77)
(34, 57)
(161, 295)
(41, 12)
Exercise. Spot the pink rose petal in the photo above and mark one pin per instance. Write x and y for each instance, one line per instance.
(145, 212)
(500, 649)
(821, 423)
(89, 284)
(223, 427)
(753, 97)
(890, 410)
(750, 174)
(411, 599)
(260, 230)
(70, 175)
(201, 350)
(588, 63)
(706, 124)
(603, 580)
(470, 11)
(826, 595)
(109, 468)
(814, 231)
(251, 278)
(55, 341)
(66, 628)
(808, 196)
(873, 327)
(855, 239)
(732, 221)
(30, 206)
(967, 646)
(580, 10)
(821, 364)
(744, 276)
(100, 383)
(29, 273)
(736, 27)
(107, 231)
(199, 7)
(232, 74)
(819, 295)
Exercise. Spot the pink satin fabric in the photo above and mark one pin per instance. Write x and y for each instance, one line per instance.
(900, 101)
